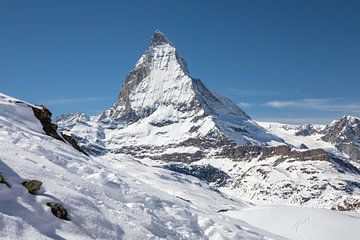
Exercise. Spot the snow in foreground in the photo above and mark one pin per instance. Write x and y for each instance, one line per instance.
(117, 197)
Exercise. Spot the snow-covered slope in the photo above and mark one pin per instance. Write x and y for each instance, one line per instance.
(117, 197)
(113, 197)
(300, 136)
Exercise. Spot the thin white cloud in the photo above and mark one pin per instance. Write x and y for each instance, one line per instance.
(244, 104)
(75, 100)
(323, 104)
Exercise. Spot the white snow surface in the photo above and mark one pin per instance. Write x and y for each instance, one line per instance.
(117, 197)
(287, 132)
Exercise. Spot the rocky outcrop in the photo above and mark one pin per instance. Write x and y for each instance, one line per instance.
(3, 181)
(345, 135)
(73, 143)
(246, 153)
(349, 204)
(307, 130)
(58, 210)
(206, 173)
(33, 186)
(44, 116)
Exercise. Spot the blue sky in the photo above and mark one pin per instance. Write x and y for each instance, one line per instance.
(289, 61)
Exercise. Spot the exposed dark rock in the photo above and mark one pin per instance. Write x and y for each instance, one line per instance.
(242, 153)
(186, 200)
(344, 166)
(73, 143)
(44, 116)
(162, 124)
(345, 135)
(349, 204)
(307, 130)
(158, 38)
(33, 186)
(194, 129)
(180, 157)
(303, 146)
(222, 210)
(3, 181)
(206, 173)
(58, 210)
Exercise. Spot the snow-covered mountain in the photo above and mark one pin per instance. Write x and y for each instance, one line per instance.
(117, 197)
(162, 110)
(340, 136)
(173, 160)
(162, 113)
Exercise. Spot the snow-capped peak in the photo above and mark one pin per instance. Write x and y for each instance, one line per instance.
(160, 77)
(158, 38)
(160, 104)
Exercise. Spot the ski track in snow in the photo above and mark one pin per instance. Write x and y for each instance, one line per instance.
(300, 223)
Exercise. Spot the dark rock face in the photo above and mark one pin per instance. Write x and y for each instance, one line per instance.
(345, 135)
(33, 186)
(158, 38)
(303, 146)
(3, 181)
(348, 205)
(44, 116)
(58, 210)
(241, 153)
(206, 173)
(307, 130)
(73, 143)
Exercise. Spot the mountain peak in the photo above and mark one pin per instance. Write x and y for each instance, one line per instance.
(349, 118)
(158, 38)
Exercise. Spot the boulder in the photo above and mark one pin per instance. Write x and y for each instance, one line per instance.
(33, 186)
(3, 181)
(58, 210)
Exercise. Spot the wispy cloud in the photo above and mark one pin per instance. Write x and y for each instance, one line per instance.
(75, 100)
(323, 104)
(251, 92)
(244, 104)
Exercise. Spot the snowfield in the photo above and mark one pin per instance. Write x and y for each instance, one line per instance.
(113, 197)
(117, 197)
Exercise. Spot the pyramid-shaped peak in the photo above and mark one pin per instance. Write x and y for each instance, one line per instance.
(158, 38)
